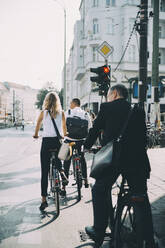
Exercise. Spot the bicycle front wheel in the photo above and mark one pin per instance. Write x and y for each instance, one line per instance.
(128, 231)
(57, 201)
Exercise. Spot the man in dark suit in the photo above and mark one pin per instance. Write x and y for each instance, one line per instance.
(134, 163)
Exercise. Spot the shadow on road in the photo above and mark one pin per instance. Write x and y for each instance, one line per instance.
(21, 218)
(10, 175)
(11, 180)
(16, 183)
(90, 244)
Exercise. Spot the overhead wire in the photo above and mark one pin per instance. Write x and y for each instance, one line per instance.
(128, 42)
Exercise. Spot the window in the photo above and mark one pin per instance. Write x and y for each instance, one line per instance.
(160, 32)
(95, 26)
(162, 5)
(131, 2)
(110, 3)
(110, 26)
(81, 57)
(95, 3)
(132, 53)
(162, 56)
(122, 25)
(131, 24)
(94, 54)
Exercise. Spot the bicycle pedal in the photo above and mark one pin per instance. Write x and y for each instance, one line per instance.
(109, 235)
(83, 236)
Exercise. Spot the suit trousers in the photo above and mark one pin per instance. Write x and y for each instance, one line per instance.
(102, 203)
(47, 144)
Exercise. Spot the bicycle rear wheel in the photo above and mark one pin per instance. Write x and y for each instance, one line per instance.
(78, 178)
(128, 230)
(56, 192)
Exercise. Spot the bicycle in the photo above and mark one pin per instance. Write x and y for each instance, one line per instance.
(126, 223)
(126, 218)
(54, 180)
(77, 170)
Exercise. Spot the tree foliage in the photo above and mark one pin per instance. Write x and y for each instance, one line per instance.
(42, 93)
(40, 97)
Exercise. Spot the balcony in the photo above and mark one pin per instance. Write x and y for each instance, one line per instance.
(79, 73)
(162, 42)
(83, 43)
(162, 15)
(94, 37)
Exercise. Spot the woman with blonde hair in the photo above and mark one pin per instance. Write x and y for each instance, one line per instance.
(51, 109)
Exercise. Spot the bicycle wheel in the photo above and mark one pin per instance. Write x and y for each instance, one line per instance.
(51, 180)
(57, 191)
(128, 230)
(78, 178)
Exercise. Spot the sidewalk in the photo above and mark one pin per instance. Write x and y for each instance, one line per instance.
(156, 190)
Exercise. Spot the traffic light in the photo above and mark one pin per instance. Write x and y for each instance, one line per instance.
(102, 79)
(103, 74)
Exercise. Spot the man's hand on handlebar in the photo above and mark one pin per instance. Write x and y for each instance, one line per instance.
(93, 149)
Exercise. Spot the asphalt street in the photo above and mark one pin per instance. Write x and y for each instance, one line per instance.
(22, 225)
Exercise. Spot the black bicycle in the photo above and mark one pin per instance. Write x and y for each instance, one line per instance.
(54, 180)
(126, 220)
(77, 170)
(127, 227)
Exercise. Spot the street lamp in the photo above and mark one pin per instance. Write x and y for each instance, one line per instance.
(64, 95)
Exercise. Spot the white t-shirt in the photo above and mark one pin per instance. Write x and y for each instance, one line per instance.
(48, 127)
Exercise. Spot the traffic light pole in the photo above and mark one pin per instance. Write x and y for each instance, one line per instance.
(155, 106)
(143, 54)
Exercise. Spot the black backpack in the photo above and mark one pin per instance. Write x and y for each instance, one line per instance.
(77, 127)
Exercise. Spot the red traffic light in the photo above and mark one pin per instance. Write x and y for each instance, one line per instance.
(106, 70)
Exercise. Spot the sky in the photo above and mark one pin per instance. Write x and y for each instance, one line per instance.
(32, 40)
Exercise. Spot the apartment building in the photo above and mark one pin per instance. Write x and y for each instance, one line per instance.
(17, 102)
(111, 21)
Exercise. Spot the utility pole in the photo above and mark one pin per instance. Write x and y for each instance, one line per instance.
(65, 95)
(143, 54)
(22, 110)
(13, 106)
(155, 106)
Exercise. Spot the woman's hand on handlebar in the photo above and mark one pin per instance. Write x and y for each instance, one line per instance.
(35, 136)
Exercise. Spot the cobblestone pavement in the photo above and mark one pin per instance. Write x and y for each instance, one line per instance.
(156, 190)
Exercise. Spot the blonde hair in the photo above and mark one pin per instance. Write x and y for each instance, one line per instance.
(52, 103)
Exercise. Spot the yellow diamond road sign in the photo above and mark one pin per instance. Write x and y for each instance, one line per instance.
(105, 49)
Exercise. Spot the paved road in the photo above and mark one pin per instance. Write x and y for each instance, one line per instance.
(22, 224)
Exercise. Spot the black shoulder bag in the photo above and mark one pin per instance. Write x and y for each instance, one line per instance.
(108, 156)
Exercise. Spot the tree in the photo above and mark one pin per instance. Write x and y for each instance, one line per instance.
(61, 94)
(42, 93)
(40, 97)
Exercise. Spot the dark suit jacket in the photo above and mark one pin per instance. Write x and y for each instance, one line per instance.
(111, 119)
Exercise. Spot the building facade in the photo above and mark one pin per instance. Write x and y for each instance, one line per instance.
(17, 102)
(111, 21)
